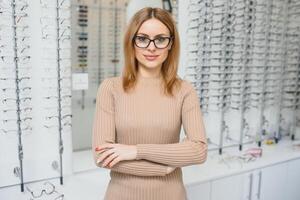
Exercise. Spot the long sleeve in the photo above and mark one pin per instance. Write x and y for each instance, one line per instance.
(192, 150)
(104, 132)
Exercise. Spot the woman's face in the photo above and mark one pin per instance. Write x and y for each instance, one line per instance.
(152, 57)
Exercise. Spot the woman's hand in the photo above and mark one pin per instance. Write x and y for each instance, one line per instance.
(111, 154)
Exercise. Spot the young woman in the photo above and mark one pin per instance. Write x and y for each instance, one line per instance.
(138, 116)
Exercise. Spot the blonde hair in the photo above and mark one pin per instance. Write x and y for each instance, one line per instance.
(169, 66)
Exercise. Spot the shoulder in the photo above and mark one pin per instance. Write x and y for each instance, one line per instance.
(108, 84)
(190, 97)
(187, 87)
(109, 80)
(189, 92)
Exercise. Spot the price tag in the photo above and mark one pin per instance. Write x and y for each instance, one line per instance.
(80, 81)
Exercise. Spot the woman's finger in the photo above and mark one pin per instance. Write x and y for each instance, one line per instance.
(109, 159)
(104, 146)
(105, 154)
(100, 148)
(101, 151)
(115, 161)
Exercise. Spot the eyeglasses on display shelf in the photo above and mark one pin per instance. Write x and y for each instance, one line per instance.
(15, 81)
(16, 76)
(56, 36)
(248, 42)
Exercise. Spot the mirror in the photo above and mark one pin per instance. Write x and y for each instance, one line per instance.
(97, 33)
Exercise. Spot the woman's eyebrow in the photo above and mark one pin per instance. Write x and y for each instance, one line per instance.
(162, 34)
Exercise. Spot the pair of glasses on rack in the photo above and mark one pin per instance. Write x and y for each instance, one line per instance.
(8, 27)
(50, 65)
(10, 112)
(51, 21)
(14, 132)
(50, 118)
(12, 101)
(8, 62)
(24, 81)
(19, 17)
(55, 21)
(60, 4)
(63, 36)
(82, 36)
(82, 20)
(48, 189)
(6, 50)
(56, 53)
(23, 92)
(206, 53)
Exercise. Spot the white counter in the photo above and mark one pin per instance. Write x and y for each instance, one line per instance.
(213, 169)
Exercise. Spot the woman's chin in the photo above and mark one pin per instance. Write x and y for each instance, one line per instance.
(151, 64)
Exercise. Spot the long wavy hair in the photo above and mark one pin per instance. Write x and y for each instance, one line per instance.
(169, 66)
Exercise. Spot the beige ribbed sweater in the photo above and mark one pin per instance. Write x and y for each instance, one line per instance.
(151, 121)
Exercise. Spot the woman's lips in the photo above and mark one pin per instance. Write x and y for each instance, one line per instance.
(151, 58)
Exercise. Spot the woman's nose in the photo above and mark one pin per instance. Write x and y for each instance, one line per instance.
(151, 46)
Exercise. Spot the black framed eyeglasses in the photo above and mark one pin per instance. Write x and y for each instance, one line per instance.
(161, 42)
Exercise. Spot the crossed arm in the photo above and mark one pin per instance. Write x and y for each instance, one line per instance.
(151, 159)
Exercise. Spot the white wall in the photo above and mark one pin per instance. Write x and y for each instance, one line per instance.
(135, 5)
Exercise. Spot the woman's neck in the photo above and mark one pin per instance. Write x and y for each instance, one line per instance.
(149, 73)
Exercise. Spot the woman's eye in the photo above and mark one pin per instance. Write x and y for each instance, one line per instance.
(161, 39)
(142, 39)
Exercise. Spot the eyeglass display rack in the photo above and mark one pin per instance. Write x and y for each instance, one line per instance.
(292, 66)
(266, 62)
(16, 65)
(283, 14)
(35, 90)
(20, 146)
(239, 60)
(59, 89)
(104, 29)
(57, 23)
(82, 20)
